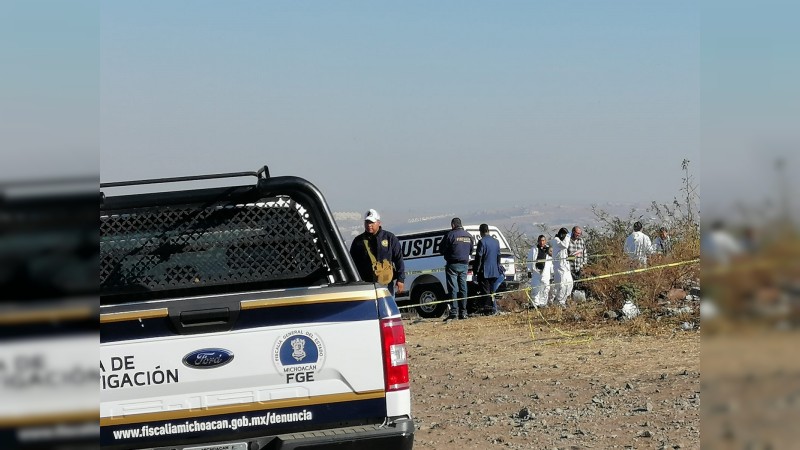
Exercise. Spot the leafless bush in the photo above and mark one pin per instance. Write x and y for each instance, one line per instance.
(644, 287)
(520, 243)
(605, 243)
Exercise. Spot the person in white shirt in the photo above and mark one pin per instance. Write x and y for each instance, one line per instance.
(540, 267)
(561, 267)
(718, 246)
(638, 245)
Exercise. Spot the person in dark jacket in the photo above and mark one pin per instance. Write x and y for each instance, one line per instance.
(384, 246)
(456, 247)
(487, 267)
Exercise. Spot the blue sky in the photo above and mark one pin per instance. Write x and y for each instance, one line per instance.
(750, 107)
(407, 105)
(412, 105)
(49, 96)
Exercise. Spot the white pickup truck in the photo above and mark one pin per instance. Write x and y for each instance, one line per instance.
(234, 319)
(48, 315)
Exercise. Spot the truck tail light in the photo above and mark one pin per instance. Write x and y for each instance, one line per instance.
(395, 357)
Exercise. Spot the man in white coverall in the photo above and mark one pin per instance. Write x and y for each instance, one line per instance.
(638, 245)
(540, 267)
(718, 246)
(561, 267)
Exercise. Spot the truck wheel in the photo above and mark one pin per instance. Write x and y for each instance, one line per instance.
(428, 293)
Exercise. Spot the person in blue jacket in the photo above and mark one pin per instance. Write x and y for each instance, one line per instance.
(487, 268)
(456, 247)
(384, 246)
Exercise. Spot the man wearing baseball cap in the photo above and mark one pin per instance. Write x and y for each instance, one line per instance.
(384, 246)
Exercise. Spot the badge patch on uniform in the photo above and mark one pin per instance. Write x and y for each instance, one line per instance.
(385, 243)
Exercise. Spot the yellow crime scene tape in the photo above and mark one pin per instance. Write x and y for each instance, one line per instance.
(582, 280)
(569, 258)
(420, 272)
(585, 337)
(581, 338)
(573, 338)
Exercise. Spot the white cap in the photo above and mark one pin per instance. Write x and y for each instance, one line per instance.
(372, 216)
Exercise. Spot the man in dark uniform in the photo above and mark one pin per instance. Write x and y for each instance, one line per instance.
(384, 247)
(456, 247)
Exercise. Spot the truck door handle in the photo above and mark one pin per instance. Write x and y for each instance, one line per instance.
(204, 320)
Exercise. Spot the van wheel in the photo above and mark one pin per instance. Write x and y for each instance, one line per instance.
(428, 293)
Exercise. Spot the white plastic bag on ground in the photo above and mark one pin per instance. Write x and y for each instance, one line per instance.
(629, 310)
(708, 309)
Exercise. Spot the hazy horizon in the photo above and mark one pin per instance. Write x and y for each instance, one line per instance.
(419, 105)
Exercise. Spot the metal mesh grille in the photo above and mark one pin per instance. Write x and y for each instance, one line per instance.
(177, 247)
(48, 246)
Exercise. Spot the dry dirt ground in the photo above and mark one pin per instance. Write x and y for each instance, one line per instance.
(751, 382)
(516, 381)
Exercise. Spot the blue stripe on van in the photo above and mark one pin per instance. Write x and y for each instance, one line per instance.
(248, 318)
(359, 412)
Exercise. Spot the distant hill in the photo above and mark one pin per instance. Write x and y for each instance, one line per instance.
(527, 219)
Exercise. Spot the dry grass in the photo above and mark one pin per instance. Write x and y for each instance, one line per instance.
(586, 319)
(759, 288)
(646, 289)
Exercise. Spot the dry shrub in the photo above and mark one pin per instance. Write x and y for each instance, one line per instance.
(758, 286)
(513, 301)
(574, 313)
(605, 247)
(638, 326)
(643, 287)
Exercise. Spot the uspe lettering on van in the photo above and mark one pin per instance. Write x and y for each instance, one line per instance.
(425, 282)
(421, 247)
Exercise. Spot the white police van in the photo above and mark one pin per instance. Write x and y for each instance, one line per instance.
(425, 277)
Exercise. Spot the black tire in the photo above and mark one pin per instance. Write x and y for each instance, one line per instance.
(427, 293)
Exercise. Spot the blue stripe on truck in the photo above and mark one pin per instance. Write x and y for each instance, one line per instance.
(387, 308)
(243, 425)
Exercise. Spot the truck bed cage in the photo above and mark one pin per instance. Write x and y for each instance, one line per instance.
(278, 233)
(262, 173)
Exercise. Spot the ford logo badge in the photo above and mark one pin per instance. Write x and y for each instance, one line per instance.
(208, 358)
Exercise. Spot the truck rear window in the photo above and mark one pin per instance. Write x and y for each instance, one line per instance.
(163, 251)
